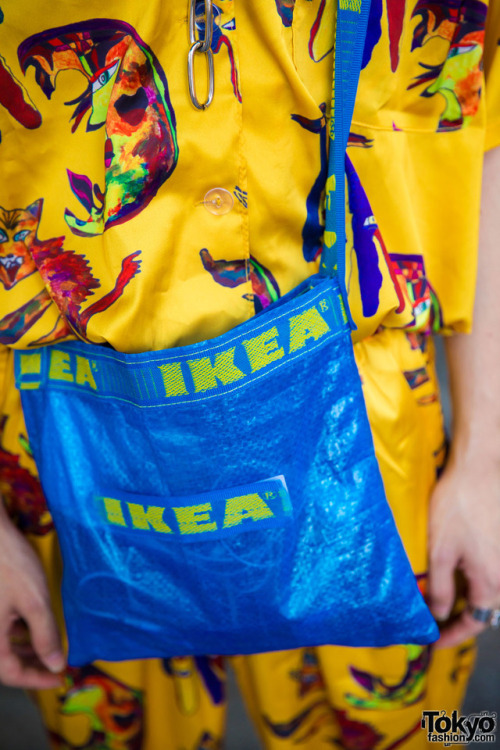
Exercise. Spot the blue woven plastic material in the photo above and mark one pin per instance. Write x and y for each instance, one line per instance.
(222, 497)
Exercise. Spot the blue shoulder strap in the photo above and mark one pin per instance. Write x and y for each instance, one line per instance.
(352, 19)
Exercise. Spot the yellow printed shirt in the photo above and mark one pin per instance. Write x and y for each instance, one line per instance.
(130, 218)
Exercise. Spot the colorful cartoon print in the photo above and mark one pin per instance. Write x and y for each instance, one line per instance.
(67, 276)
(354, 734)
(395, 18)
(459, 77)
(17, 232)
(127, 93)
(308, 676)
(361, 141)
(185, 670)
(304, 725)
(15, 324)
(285, 9)
(417, 377)
(322, 33)
(417, 340)
(16, 100)
(312, 232)
(223, 25)
(358, 735)
(367, 239)
(213, 674)
(22, 493)
(384, 696)
(410, 273)
(114, 711)
(233, 273)
(373, 31)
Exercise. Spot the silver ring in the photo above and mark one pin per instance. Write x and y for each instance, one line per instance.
(486, 615)
(191, 76)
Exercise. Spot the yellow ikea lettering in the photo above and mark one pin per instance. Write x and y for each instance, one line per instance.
(247, 506)
(151, 517)
(330, 238)
(205, 375)
(330, 189)
(309, 324)
(173, 379)
(263, 349)
(31, 364)
(84, 372)
(114, 512)
(354, 5)
(192, 519)
(60, 366)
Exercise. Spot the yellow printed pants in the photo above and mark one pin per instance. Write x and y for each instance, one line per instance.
(358, 699)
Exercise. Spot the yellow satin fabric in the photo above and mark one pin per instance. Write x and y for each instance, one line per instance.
(419, 161)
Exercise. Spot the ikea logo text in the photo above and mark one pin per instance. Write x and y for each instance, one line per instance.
(187, 520)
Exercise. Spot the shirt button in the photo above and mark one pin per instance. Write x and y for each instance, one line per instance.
(218, 201)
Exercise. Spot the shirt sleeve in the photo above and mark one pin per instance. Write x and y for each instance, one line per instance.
(492, 75)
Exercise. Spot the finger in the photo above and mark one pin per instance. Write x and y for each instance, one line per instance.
(441, 589)
(45, 635)
(16, 674)
(460, 630)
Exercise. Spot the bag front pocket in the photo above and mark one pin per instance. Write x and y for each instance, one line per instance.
(159, 564)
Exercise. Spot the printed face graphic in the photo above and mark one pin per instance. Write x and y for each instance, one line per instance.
(459, 78)
(67, 274)
(127, 95)
(17, 232)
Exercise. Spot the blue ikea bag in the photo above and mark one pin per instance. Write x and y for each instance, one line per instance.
(224, 497)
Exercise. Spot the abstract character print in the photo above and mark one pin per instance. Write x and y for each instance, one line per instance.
(16, 100)
(114, 711)
(233, 273)
(322, 36)
(458, 78)
(17, 232)
(365, 239)
(21, 491)
(412, 279)
(381, 694)
(285, 9)
(127, 94)
(223, 27)
(65, 273)
(183, 670)
(312, 232)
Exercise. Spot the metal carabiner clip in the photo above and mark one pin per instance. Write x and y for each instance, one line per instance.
(196, 47)
(201, 46)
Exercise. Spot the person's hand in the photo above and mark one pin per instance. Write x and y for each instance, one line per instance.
(464, 530)
(30, 649)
